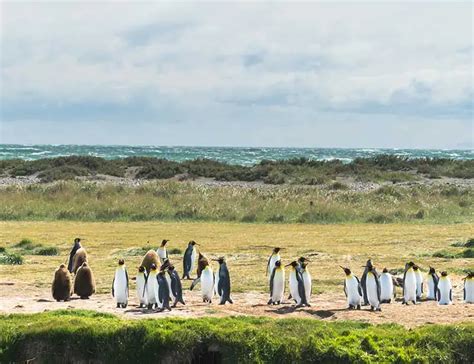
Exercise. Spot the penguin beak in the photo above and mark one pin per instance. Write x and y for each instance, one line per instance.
(287, 265)
(342, 267)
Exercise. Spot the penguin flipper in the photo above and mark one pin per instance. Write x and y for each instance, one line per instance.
(126, 277)
(345, 288)
(379, 289)
(359, 286)
(451, 294)
(195, 282)
(268, 264)
(464, 292)
(271, 282)
(404, 276)
(113, 290)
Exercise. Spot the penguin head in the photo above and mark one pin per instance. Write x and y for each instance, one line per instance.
(409, 265)
(470, 275)
(62, 266)
(192, 243)
(141, 269)
(163, 243)
(294, 264)
(369, 263)
(303, 261)
(278, 263)
(444, 274)
(370, 268)
(171, 268)
(432, 270)
(415, 268)
(276, 250)
(165, 264)
(121, 262)
(221, 260)
(153, 267)
(385, 270)
(346, 270)
(84, 264)
(77, 240)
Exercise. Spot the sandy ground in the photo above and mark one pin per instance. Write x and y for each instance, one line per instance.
(327, 307)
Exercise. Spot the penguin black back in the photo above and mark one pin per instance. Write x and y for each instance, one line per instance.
(176, 287)
(75, 248)
(163, 291)
(223, 286)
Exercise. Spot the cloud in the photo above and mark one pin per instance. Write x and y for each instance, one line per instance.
(301, 67)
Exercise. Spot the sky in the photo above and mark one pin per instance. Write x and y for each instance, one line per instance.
(309, 74)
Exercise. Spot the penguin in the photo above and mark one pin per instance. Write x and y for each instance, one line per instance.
(62, 284)
(84, 283)
(432, 283)
(162, 252)
(271, 261)
(445, 290)
(79, 257)
(189, 258)
(222, 282)
(296, 283)
(419, 282)
(277, 284)
(203, 262)
(120, 285)
(373, 289)
(152, 287)
(75, 248)
(141, 284)
(163, 291)
(352, 289)
(207, 283)
(387, 290)
(409, 284)
(469, 288)
(363, 281)
(150, 258)
(175, 286)
(303, 262)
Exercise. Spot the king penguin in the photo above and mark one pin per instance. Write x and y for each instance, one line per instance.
(207, 283)
(363, 281)
(271, 261)
(175, 286)
(162, 252)
(432, 283)
(62, 284)
(152, 288)
(352, 289)
(203, 262)
(387, 290)
(141, 287)
(75, 248)
(297, 289)
(120, 285)
(419, 282)
(308, 284)
(277, 284)
(445, 290)
(469, 288)
(409, 284)
(84, 283)
(189, 259)
(79, 257)
(373, 289)
(163, 291)
(222, 282)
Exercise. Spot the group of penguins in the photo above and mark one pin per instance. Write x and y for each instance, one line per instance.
(158, 284)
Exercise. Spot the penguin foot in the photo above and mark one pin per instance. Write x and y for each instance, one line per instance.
(119, 305)
(230, 301)
(269, 302)
(414, 302)
(358, 307)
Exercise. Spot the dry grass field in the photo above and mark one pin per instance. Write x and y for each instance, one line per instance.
(246, 247)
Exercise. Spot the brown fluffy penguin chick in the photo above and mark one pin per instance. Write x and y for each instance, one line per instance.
(151, 257)
(62, 284)
(79, 258)
(84, 283)
(203, 262)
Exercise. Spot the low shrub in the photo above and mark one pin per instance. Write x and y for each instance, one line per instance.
(175, 251)
(10, 258)
(46, 250)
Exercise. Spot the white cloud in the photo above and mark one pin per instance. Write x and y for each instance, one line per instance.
(294, 60)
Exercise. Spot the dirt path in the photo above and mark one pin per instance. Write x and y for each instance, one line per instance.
(326, 307)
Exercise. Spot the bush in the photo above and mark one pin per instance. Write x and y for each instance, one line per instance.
(175, 251)
(25, 244)
(47, 250)
(8, 258)
(380, 219)
(336, 186)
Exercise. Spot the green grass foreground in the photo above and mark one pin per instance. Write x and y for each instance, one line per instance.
(176, 201)
(74, 336)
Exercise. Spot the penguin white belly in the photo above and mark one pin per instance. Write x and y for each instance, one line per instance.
(307, 284)
(295, 294)
(372, 293)
(469, 291)
(419, 284)
(207, 284)
(278, 286)
(193, 261)
(431, 294)
(141, 290)
(386, 287)
(444, 291)
(216, 283)
(161, 254)
(120, 286)
(409, 287)
(352, 291)
(152, 289)
(273, 259)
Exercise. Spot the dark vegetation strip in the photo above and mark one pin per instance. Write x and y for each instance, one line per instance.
(86, 336)
(299, 170)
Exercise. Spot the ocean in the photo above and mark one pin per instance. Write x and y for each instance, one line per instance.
(232, 155)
